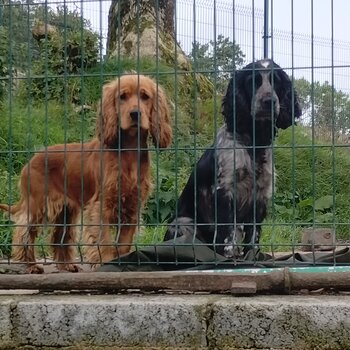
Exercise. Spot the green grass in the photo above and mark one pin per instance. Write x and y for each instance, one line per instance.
(279, 236)
(25, 130)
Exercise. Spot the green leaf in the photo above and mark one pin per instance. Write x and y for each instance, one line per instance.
(325, 202)
(324, 218)
(305, 203)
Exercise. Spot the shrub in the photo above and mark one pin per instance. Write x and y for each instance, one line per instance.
(312, 181)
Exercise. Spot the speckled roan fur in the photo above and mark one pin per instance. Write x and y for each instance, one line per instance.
(225, 199)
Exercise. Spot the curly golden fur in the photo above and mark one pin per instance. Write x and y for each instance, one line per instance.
(95, 187)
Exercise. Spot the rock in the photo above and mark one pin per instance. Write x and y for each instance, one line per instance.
(318, 239)
(41, 30)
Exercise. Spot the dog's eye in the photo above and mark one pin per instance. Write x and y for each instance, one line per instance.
(144, 96)
(275, 80)
(255, 80)
(123, 96)
(258, 80)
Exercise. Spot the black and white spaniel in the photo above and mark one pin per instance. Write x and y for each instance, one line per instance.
(226, 197)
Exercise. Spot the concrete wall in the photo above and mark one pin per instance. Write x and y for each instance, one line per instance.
(170, 321)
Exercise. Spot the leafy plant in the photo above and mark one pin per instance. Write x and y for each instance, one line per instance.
(7, 69)
(294, 209)
(325, 108)
(59, 57)
(170, 173)
(315, 172)
(217, 59)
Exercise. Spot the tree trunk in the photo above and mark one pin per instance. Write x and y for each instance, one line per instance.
(144, 28)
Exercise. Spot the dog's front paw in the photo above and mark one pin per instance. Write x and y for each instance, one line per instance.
(34, 269)
(232, 248)
(182, 226)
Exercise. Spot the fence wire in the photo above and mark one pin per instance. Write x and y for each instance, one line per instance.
(156, 136)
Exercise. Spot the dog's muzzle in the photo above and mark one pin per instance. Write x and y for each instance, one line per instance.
(268, 103)
(135, 116)
(268, 107)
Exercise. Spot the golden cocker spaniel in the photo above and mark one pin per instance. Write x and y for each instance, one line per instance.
(95, 187)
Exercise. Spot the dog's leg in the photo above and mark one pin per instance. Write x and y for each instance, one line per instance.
(180, 226)
(23, 246)
(125, 238)
(251, 238)
(233, 244)
(99, 246)
(63, 240)
(252, 228)
(225, 219)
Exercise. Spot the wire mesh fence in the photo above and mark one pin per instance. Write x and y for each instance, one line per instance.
(156, 136)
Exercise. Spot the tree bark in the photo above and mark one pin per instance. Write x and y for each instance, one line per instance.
(144, 28)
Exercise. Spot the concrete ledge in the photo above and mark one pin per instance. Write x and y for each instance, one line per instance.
(169, 321)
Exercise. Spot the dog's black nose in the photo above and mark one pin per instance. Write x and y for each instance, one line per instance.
(269, 102)
(135, 115)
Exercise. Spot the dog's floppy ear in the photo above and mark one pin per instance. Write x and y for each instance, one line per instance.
(227, 107)
(161, 129)
(290, 108)
(107, 116)
(235, 103)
